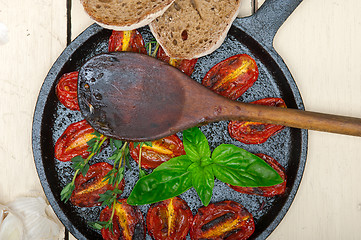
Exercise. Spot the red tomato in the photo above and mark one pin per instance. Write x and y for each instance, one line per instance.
(127, 41)
(185, 65)
(256, 132)
(73, 142)
(224, 220)
(232, 77)
(88, 187)
(128, 222)
(169, 219)
(161, 151)
(266, 191)
(66, 90)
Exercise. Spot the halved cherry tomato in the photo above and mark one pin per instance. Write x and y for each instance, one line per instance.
(66, 90)
(185, 65)
(128, 222)
(256, 132)
(169, 219)
(232, 77)
(224, 220)
(88, 187)
(161, 151)
(73, 142)
(266, 191)
(126, 41)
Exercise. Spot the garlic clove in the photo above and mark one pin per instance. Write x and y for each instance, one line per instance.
(11, 226)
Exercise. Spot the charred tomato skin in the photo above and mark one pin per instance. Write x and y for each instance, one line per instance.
(88, 187)
(185, 65)
(232, 77)
(223, 220)
(127, 41)
(128, 222)
(256, 132)
(161, 151)
(66, 90)
(73, 142)
(266, 191)
(169, 219)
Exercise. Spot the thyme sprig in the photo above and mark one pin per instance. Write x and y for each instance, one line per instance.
(114, 177)
(81, 165)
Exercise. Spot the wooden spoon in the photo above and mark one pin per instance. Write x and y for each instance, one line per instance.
(130, 96)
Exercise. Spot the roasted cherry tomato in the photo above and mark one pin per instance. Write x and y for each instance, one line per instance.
(169, 219)
(73, 142)
(128, 222)
(161, 151)
(224, 220)
(126, 41)
(185, 65)
(232, 77)
(256, 132)
(266, 191)
(66, 90)
(88, 187)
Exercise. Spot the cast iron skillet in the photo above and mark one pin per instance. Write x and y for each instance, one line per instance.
(254, 36)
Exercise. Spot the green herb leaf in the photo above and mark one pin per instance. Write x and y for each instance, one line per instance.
(142, 173)
(117, 143)
(195, 144)
(97, 225)
(67, 191)
(203, 183)
(238, 167)
(108, 198)
(85, 169)
(168, 180)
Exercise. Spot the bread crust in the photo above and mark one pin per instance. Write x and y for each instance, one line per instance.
(132, 22)
(163, 25)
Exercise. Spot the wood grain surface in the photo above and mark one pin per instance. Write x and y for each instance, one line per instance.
(320, 44)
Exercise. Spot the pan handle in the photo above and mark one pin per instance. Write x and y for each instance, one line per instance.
(264, 24)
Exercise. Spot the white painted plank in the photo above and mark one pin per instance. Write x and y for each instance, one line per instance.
(37, 35)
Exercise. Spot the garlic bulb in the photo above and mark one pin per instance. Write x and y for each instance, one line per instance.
(39, 220)
(11, 226)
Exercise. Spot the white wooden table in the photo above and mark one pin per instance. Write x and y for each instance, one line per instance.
(320, 43)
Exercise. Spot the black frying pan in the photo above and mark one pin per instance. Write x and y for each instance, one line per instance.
(254, 36)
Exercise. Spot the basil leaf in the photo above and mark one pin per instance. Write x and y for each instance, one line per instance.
(168, 180)
(180, 163)
(238, 167)
(203, 183)
(159, 186)
(195, 144)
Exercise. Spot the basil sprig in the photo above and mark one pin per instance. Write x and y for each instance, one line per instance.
(199, 167)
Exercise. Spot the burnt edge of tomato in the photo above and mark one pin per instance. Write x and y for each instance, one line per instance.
(87, 45)
(223, 213)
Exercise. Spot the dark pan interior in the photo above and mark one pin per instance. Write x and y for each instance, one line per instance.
(288, 147)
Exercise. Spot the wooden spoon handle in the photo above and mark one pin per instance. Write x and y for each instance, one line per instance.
(294, 118)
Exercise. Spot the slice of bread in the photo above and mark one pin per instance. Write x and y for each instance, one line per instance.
(123, 15)
(194, 28)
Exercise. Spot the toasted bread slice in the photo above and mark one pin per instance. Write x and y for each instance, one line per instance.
(194, 28)
(125, 15)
